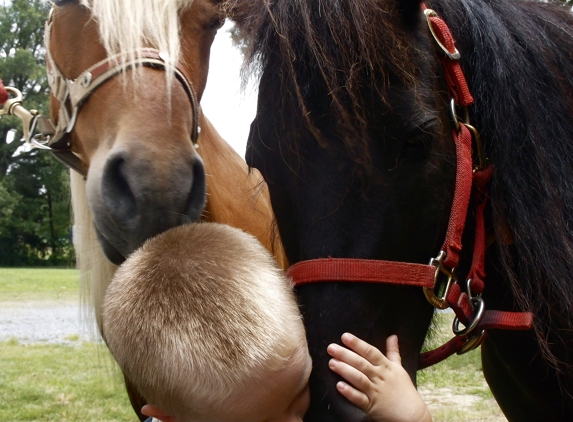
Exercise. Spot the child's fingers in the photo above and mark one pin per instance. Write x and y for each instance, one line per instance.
(355, 397)
(354, 376)
(367, 351)
(392, 349)
(347, 356)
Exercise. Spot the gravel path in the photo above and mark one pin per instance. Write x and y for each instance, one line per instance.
(43, 322)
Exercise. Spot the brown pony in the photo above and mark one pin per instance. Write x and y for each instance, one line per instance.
(125, 102)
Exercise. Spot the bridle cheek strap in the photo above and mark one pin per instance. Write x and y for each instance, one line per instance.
(467, 305)
(72, 94)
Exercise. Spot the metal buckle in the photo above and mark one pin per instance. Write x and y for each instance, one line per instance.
(454, 115)
(478, 151)
(477, 302)
(13, 107)
(31, 121)
(472, 343)
(455, 56)
(437, 295)
(469, 288)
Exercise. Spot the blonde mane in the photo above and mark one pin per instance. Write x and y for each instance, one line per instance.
(127, 26)
(96, 271)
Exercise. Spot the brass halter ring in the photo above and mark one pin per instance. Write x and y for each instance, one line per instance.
(429, 13)
(438, 295)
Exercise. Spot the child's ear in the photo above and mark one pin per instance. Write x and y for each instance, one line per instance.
(155, 412)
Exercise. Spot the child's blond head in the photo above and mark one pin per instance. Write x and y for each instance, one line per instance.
(198, 314)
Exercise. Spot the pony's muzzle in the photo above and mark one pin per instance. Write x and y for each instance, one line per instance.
(135, 199)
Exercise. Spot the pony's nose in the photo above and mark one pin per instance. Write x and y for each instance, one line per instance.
(140, 199)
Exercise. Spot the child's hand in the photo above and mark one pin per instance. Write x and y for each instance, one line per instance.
(379, 384)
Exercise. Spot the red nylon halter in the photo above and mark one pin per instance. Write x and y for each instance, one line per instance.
(3, 93)
(467, 305)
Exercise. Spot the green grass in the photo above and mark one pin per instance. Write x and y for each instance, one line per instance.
(459, 376)
(460, 370)
(56, 382)
(80, 382)
(60, 383)
(38, 284)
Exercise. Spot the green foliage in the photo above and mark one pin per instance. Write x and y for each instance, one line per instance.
(34, 186)
(35, 217)
(22, 63)
(239, 41)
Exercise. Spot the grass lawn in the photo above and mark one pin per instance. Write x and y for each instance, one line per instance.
(61, 383)
(80, 382)
(38, 283)
(455, 389)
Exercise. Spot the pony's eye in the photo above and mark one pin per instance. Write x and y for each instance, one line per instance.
(420, 136)
(420, 140)
(217, 23)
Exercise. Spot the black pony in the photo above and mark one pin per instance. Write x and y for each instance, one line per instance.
(354, 138)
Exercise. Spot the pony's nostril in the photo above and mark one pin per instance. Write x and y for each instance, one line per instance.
(117, 194)
(197, 195)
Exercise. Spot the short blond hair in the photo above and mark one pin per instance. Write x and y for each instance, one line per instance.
(197, 314)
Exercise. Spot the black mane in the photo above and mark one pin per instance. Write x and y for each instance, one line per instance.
(518, 58)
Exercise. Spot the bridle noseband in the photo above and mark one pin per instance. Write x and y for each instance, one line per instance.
(40, 132)
(438, 278)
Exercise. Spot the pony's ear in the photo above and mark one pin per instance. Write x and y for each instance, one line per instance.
(411, 12)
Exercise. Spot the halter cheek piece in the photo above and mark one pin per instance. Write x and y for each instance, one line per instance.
(438, 278)
(72, 94)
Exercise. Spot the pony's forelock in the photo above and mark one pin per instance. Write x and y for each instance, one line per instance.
(144, 23)
(341, 46)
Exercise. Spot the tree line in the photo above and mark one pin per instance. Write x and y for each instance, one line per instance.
(34, 186)
(35, 221)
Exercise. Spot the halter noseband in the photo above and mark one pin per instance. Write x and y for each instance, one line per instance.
(438, 278)
(72, 94)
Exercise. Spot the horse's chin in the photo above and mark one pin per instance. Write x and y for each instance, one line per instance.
(110, 251)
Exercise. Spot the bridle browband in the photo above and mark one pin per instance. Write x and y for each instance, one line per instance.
(73, 93)
(438, 278)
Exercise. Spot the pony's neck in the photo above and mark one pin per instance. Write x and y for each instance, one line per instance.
(236, 196)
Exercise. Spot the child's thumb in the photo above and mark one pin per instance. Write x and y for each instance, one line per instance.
(392, 349)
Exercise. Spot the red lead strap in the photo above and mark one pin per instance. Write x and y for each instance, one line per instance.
(4, 96)
(467, 305)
